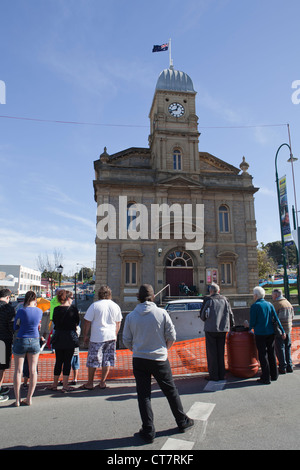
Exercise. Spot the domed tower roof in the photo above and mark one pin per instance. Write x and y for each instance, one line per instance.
(174, 80)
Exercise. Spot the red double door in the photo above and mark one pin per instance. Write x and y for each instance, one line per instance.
(175, 276)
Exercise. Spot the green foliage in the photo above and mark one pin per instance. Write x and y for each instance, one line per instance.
(274, 251)
(266, 265)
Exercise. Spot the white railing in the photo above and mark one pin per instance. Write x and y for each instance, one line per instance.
(160, 292)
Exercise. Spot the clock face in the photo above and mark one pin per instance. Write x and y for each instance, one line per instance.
(176, 109)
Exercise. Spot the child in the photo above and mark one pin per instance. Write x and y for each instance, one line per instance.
(75, 364)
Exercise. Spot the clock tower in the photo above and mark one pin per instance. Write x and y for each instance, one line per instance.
(173, 175)
(174, 135)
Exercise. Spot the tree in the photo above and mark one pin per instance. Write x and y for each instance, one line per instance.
(266, 265)
(85, 274)
(48, 266)
(274, 250)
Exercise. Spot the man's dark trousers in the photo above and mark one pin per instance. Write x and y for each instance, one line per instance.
(215, 349)
(161, 371)
(266, 353)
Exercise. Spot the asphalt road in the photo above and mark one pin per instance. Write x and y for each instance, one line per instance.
(238, 414)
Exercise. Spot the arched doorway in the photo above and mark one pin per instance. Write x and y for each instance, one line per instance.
(179, 268)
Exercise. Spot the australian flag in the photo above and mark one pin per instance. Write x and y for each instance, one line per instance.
(163, 47)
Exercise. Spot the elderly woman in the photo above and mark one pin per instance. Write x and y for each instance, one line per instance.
(262, 314)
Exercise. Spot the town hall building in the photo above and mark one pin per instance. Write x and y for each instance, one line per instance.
(172, 173)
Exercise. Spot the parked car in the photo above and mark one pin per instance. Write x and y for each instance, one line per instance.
(184, 305)
(185, 315)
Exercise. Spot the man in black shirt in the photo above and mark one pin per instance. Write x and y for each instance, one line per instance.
(7, 316)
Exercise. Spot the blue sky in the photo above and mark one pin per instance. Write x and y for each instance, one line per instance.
(90, 61)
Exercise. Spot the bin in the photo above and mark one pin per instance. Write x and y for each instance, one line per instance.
(242, 353)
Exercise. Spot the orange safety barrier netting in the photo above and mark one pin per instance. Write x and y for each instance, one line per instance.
(186, 357)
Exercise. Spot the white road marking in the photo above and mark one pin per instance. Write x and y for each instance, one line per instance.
(213, 386)
(177, 444)
(200, 410)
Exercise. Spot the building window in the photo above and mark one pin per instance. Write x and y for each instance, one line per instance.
(179, 259)
(224, 219)
(131, 216)
(177, 160)
(131, 268)
(130, 273)
(226, 274)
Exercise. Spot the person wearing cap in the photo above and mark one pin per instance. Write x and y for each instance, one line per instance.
(149, 333)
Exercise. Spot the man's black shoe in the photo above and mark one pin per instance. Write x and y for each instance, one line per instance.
(146, 437)
(263, 382)
(188, 424)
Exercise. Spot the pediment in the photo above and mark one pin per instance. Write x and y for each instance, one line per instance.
(211, 164)
(179, 181)
(133, 157)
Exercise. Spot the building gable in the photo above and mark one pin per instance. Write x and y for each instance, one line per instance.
(211, 164)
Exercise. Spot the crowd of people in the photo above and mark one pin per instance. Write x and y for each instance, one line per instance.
(148, 332)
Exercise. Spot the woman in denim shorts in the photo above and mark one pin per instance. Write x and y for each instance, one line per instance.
(27, 342)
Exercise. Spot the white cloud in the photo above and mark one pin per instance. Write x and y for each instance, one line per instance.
(267, 192)
(77, 218)
(18, 247)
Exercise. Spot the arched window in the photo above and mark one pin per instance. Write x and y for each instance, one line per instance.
(224, 226)
(177, 163)
(179, 259)
(131, 215)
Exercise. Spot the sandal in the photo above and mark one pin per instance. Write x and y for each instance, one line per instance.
(68, 389)
(24, 402)
(86, 388)
(51, 387)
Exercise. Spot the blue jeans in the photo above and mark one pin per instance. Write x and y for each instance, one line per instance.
(22, 346)
(283, 352)
(161, 371)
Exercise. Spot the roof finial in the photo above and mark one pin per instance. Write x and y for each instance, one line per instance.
(244, 166)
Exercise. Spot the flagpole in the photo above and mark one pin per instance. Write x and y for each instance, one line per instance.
(170, 55)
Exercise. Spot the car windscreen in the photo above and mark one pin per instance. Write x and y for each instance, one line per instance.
(183, 306)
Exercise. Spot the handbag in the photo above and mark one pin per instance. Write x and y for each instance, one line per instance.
(65, 339)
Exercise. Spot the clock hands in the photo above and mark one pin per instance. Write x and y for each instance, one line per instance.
(176, 109)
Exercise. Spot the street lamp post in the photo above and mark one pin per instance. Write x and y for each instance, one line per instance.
(59, 269)
(291, 160)
(285, 276)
